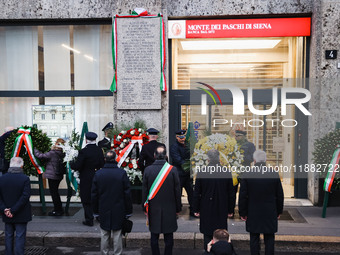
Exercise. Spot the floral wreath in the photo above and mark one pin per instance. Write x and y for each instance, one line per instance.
(127, 145)
(230, 152)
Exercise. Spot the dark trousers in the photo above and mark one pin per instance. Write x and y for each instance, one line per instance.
(88, 212)
(54, 190)
(268, 243)
(20, 238)
(206, 240)
(168, 241)
(186, 183)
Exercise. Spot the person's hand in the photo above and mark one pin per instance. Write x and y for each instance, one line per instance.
(197, 214)
(230, 215)
(209, 245)
(244, 218)
(8, 213)
(278, 217)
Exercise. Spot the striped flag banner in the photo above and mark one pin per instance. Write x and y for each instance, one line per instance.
(25, 138)
(163, 86)
(157, 184)
(332, 169)
(126, 151)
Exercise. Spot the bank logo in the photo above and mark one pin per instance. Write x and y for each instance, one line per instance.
(176, 29)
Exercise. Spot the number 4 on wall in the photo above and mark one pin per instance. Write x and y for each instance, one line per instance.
(331, 54)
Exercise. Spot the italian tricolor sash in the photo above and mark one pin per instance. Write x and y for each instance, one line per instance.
(26, 138)
(157, 184)
(332, 169)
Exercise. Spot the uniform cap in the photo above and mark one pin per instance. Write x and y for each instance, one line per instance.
(91, 136)
(152, 131)
(108, 126)
(181, 132)
(241, 132)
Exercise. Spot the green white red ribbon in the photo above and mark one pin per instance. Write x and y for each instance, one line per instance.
(126, 151)
(25, 137)
(332, 169)
(163, 86)
(157, 184)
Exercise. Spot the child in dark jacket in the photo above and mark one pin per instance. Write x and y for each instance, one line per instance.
(220, 244)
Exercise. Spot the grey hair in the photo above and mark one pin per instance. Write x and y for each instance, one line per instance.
(16, 162)
(8, 129)
(213, 155)
(260, 156)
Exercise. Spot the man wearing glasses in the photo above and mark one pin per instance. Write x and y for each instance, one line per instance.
(179, 154)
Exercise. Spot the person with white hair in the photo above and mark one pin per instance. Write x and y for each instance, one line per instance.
(15, 191)
(261, 203)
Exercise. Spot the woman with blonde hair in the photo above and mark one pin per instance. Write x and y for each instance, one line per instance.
(54, 173)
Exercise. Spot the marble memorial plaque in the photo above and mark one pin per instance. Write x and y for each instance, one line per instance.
(138, 63)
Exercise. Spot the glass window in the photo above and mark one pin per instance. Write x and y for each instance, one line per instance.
(244, 62)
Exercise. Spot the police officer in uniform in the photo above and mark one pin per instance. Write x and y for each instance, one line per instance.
(179, 154)
(105, 144)
(89, 160)
(147, 157)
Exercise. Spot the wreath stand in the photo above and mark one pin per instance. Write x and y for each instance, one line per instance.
(84, 130)
(41, 192)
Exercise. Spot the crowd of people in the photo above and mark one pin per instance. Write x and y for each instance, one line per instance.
(105, 194)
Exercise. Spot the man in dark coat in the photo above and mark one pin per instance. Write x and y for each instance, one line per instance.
(261, 203)
(111, 199)
(89, 160)
(164, 207)
(213, 198)
(105, 144)
(179, 154)
(15, 191)
(147, 155)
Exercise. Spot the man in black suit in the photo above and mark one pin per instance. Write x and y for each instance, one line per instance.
(105, 144)
(261, 203)
(89, 160)
(213, 198)
(111, 199)
(15, 191)
(164, 207)
(147, 155)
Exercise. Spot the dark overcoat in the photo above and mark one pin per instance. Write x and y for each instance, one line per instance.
(89, 160)
(261, 201)
(167, 202)
(179, 154)
(146, 157)
(111, 197)
(15, 191)
(213, 199)
(104, 144)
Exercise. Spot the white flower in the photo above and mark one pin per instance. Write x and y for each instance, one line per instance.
(132, 132)
(125, 140)
(140, 130)
(118, 138)
(122, 145)
(123, 132)
(127, 159)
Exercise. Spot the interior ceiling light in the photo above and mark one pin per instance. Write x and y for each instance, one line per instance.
(229, 44)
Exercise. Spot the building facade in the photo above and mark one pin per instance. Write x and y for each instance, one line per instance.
(38, 67)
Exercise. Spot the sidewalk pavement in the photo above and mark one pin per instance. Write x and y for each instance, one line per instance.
(305, 231)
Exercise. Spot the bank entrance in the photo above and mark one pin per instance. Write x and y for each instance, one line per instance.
(203, 67)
